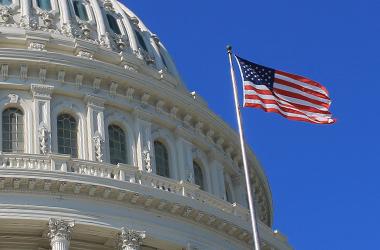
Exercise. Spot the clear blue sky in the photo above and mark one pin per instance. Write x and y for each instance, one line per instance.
(324, 178)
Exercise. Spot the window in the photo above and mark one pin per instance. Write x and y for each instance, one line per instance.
(113, 24)
(13, 130)
(80, 10)
(118, 152)
(67, 135)
(198, 175)
(141, 40)
(44, 4)
(162, 159)
(5, 2)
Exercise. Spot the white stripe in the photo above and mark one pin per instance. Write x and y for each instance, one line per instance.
(293, 90)
(287, 99)
(285, 104)
(303, 84)
(274, 106)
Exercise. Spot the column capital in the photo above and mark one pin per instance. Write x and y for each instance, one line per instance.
(129, 239)
(60, 229)
(41, 91)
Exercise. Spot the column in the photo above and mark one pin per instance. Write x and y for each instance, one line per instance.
(130, 239)
(217, 177)
(41, 115)
(144, 144)
(103, 38)
(95, 127)
(239, 188)
(60, 234)
(184, 159)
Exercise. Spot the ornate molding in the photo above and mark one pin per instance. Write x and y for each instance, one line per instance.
(41, 91)
(129, 239)
(60, 229)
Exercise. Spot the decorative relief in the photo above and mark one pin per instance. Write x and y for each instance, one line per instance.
(43, 134)
(47, 18)
(5, 14)
(85, 54)
(13, 98)
(37, 46)
(108, 5)
(41, 91)
(98, 144)
(147, 160)
(130, 239)
(60, 229)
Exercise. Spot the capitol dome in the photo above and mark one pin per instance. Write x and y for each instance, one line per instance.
(103, 147)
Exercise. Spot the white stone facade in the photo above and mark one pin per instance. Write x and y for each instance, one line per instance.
(54, 63)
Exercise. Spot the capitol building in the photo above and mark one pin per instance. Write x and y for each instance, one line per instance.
(103, 147)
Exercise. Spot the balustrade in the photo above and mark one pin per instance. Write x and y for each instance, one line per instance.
(120, 172)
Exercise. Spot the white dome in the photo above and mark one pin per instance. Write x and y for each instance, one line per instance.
(100, 30)
(96, 128)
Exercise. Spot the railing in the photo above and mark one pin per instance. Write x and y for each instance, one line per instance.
(121, 172)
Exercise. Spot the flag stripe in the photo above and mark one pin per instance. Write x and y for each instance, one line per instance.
(294, 97)
(303, 80)
(300, 88)
(262, 89)
(303, 84)
(276, 109)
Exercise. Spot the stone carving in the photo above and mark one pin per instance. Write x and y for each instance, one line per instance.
(41, 91)
(85, 54)
(147, 58)
(37, 46)
(59, 230)
(108, 5)
(13, 98)
(130, 239)
(147, 160)
(5, 14)
(190, 177)
(43, 134)
(98, 144)
(47, 18)
(86, 30)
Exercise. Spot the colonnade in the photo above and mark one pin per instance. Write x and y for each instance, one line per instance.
(60, 235)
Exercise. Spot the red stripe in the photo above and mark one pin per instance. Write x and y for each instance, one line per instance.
(254, 105)
(303, 79)
(285, 108)
(299, 106)
(260, 91)
(301, 97)
(299, 87)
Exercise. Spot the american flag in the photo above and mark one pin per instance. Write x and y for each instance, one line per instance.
(292, 96)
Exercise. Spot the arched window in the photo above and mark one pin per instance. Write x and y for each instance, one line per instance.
(118, 151)
(162, 159)
(13, 130)
(141, 40)
(113, 24)
(80, 10)
(198, 175)
(5, 2)
(44, 4)
(67, 135)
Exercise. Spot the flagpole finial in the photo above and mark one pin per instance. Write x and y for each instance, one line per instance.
(229, 48)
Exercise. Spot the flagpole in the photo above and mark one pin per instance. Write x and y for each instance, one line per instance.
(256, 241)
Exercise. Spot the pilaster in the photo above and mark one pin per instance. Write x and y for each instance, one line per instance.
(60, 234)
(144, 144)
(184, 159)
(217, 177)
(42, 123)
(95, 127)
